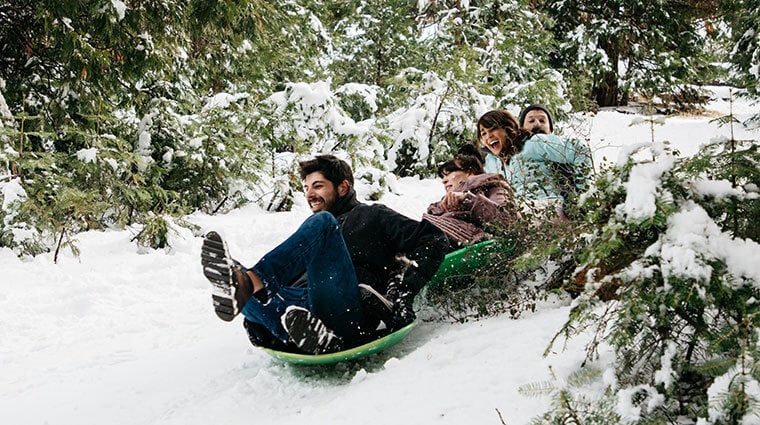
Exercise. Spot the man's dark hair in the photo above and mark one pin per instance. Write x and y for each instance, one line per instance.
(334, 169)
(535, 107)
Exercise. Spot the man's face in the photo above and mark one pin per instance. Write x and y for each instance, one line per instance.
(537, 121)
(321, 194)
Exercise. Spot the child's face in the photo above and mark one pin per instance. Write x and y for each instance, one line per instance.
(451, 180)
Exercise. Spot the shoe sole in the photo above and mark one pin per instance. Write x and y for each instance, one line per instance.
(218, 270)
(308, 332)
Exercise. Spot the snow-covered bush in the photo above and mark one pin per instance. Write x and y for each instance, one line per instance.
(668, 277)
(744, 54)
(308, 119)
(109, 123)
(437, 116)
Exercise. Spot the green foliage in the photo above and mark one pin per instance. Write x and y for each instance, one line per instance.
(679, 313)
(568, 403)
(155, 233)
(492, 290)
(161, 107)
(742, 16)
(535, 255)
(502, 45)
(374, 40)
(654, 260)
(595, 36)
(105, 101)
(434, 120)
(318, 123)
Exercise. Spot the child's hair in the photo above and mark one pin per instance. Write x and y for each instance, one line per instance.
(469, 149)
(467, 159)
(500, 118)
(334, 169)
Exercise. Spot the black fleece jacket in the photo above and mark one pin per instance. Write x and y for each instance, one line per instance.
(375, 235)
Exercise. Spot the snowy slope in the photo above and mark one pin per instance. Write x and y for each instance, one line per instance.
(118, 336)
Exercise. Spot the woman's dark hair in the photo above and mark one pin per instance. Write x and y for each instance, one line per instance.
(500, 118)
(334, 169)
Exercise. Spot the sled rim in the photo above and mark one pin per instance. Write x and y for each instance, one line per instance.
(352, 353)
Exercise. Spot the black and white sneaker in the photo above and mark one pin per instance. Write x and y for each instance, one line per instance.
(308, 333)
(375, 305)
(231, 287)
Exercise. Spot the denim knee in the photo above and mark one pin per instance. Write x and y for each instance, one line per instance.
(324, 218)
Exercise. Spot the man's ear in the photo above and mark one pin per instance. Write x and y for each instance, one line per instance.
(343, 188)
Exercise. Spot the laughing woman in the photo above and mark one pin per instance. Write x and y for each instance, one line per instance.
(525, 160)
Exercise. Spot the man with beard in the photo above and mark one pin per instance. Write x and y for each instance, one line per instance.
(538, 120)
(306, 294)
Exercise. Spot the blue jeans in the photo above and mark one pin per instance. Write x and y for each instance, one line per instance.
(318, 249)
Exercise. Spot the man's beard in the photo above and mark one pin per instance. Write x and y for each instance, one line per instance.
(322, 203)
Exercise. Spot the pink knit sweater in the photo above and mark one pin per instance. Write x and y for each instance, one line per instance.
(485, 201)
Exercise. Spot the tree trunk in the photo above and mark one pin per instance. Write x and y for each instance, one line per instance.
(605, 90)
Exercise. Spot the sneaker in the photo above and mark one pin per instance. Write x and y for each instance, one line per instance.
(308, 332)
(231, 286)
(375, 305)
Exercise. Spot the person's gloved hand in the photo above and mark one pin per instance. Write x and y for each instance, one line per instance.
(403, 311)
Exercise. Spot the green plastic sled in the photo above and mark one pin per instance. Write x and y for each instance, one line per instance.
(464, 261)
(461, 262)
(340, 356)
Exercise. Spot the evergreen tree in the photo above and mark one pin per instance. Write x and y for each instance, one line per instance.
(433, 120)
(744, 56)
(628, 47)
(108, 104)
(662, 287)
(308, 119)
(479, 56)
(69, 68)
(374, 40)
(504, 43)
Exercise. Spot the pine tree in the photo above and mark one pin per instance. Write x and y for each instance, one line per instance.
(374, 40)
(505, 42)
(68, 68)
(109, 101)
(744, 55)
(628, 47)
(660, 285)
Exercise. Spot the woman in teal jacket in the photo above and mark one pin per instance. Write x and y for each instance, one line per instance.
(525, 160)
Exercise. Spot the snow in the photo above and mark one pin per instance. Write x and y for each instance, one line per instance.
(223, 100)
(5, 112)
(87, 155)
(120, 7)
(693, 239)
(121, 335)
(641, 189)
(666, 374)
(12, 192)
